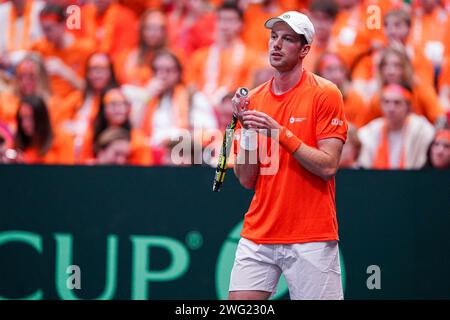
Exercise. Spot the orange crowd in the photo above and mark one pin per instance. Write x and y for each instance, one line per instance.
(125, 82)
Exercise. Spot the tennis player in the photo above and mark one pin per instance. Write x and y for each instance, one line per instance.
(290, 226)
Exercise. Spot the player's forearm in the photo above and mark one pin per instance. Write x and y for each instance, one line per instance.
(317, 161)
(245, 168)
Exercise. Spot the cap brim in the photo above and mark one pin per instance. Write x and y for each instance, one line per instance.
(271, 22)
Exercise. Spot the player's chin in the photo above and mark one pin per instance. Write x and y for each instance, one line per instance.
(277, 64)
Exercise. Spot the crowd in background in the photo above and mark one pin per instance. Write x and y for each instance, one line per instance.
(123, 82)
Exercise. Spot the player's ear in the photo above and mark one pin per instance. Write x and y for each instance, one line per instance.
(304, 50)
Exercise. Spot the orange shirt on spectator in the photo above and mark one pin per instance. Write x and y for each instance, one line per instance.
(429, 33)
(355, 108)
(61, 151)
(73, 56)
(114, 31)
(10, 102)
(215, 70)
(351, 34)
(139, 6)
(130, 71)
(19, 32)
(252, 32)
(192, 37)
(444, 78)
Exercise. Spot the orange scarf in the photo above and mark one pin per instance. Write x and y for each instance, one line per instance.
(382, 158)
(180, 105)
(100, 28)
(25, 42)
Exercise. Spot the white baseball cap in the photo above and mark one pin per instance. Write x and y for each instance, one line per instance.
(299, 22)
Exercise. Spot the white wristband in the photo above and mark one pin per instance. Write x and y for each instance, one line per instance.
(249, 139)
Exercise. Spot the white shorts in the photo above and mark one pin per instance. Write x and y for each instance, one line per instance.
(312, 270)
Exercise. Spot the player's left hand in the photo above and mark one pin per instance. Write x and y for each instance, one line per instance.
(260, 121)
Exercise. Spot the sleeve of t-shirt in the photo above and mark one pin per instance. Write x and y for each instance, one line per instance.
(331, 121)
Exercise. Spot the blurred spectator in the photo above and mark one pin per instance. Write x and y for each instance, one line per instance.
(20, 27)
(110, 25)
(227, 64)
(113, 147)
(439, 152)
(133, 65)
(114, 112)
(399, 139)
(356, 30)
(6, 135)
(323, 15)
(191, 25)
(444, 85)
(64, 55)
(397, 26)
(224, 111)
(81, 107)
(350, 31)
(7, 153)
(330, 66)
(173, 108)
(139, 6)
(30, 78)
(395, 68)
(255, 15)
(36, 138)
(351, 149)
(430, 31)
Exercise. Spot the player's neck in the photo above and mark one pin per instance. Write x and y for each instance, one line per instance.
(284, 81)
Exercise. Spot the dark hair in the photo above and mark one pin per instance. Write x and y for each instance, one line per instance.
(231, 5)
(303, 40)
(100, 123)
(112, 81)
(329, 7)
(54, 9)
(399, 13)
(43, 133)
(165, 52)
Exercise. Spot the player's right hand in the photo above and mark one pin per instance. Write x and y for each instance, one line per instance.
(240, 104)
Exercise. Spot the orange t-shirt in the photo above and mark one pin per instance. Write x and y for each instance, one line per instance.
(112, 32)
(10, 103)
(191, 38)
(355, 108)
(444, 78)
(61, 152)
(429, 34)
(254, 34)
(229, 68)
(74, 56)
(294, 205)
(351, 35)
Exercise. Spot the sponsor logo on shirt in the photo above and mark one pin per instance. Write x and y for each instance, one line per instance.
(292, 119)
(337, 122)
